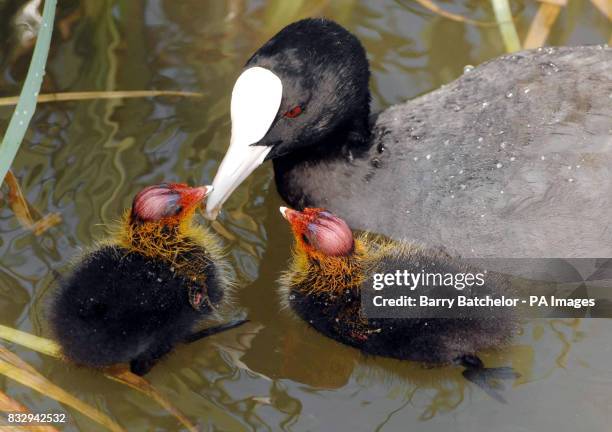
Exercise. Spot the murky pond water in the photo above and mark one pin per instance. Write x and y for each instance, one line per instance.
(86, 160)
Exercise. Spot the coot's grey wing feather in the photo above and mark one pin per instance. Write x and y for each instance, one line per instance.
(513, 159)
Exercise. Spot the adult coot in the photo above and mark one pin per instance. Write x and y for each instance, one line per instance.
(141, 292)
(513, 159)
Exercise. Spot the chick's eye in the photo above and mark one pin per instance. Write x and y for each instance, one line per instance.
(294, 112)
(305, 239)
(173, 210)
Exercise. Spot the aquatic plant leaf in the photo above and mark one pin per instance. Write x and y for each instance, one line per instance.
(93, 95)
(18, 370)
(10, 405)
(506, 25)
(541, 25)
(119, 373)
(27, 99)
(21, 208)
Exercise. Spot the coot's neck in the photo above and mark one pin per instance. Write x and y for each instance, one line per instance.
(350, 140)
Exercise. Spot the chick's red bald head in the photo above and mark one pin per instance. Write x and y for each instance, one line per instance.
(167, 202)
(319, 231)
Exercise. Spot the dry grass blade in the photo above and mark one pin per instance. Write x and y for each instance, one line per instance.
(604, 6)
(5, 427)
(46, 222)
(541, 25)
(76, 96)
(9, 405)
(28, 340)
(17, 201)
(121, 374)
(428, 4)
(21, 208)
(561, 3)
(16, 369)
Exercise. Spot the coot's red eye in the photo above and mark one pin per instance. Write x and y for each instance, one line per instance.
(294, 112)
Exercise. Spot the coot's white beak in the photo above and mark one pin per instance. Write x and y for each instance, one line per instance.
(256, 99)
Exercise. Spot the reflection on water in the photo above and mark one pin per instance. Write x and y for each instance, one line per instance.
(87, 159)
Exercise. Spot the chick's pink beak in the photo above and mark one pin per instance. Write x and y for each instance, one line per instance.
(289, 214)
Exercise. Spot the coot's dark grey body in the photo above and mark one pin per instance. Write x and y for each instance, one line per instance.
(513, 159)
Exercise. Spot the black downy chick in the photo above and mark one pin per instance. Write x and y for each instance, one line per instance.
(329, 270)
(145, 289)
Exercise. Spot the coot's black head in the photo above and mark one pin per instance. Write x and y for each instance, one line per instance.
(306, 87)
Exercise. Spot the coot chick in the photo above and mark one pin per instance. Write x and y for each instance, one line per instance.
(138, 294)
(512, 159)
(330, 269)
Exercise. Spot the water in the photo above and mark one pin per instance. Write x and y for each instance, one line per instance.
(87, 159)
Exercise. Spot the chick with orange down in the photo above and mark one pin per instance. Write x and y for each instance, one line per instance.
(147, 288)
(328, 272)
